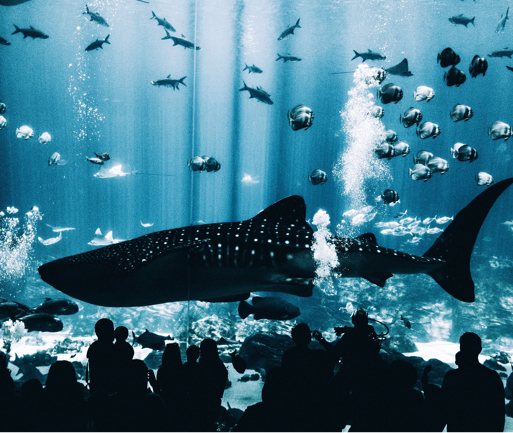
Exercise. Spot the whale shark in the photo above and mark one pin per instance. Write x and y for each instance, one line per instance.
(273, 251)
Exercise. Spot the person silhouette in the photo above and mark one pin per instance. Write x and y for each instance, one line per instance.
(472, 394)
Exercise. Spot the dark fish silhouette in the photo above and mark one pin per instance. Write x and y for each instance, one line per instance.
(169, 82)
(505, 52)
(390, 196)
(390, 93)
(462, 19)
(447, 58)
(152, 341)
(253, 68)
(96, 17)
(185, 43)
(103, 156)
(510, 68)
(12, 310)
(369, 55)
(400, 69)
(258, 93)
(318, 177)
(272, 308)
(12, 2)
(269, 252)
(300, 117)
(31, 32)
(238, 363)
(162, 22)
(288, 58)
(57, 307)
(4, 41)
(289, 31)
(502, 22)
(479, 65)
(98, 43)
(454, 77)
(41, 322)
(406, 322)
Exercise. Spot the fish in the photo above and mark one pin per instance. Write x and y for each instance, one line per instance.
(369, 55)
(253, 68)
(462, 19)
(406, 220)
(400, 69)
(103, 156)
(419, 172)
(162, 22)
(422, 157)
(479, 65)
(390, 197)
(505, 52)
(197, 164)
(300, 117)
(418, 231)
(389, 224)
(434, 230)
(41, 322)
(258, 93)
(45, 138)
(269, 252)
(3, 122)
(3, 108)
(400, 231)
(448, 57)
(318, 177)
(50, 241)
(462, 152)
(100, 240)
(377, 112)
(385, 150)
(4, 41)
(25, 132)
(406, 322)
(391, 136)
(502, 22)
(151, 340)
(390, 93)
(185, 43)
(12, 310)
(169, 82)
(437, 164)
(96, 161)
(427, 221)
(288, 58)
(289, 30)
(461, 112)
(30, 32)
(412, 116)
(57, 307)
(98, 43)
(499, 130)
(60, 229)
(55, 159)
(509, 67)
(401, 148)
(12, 2)
(115, 171)
(146, 225)
(401, 214)
(387, 232)
(238, 363)
(272, 308)
(96, 17)
(454, 77)
(211, 164)
(483, 178)
(444, 220)
(424, 93)
(428, 129)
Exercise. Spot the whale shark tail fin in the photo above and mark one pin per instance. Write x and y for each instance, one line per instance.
(455, 244)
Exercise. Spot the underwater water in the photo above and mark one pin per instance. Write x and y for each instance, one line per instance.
(103, 100)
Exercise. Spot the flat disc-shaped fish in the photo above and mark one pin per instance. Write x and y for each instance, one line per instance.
(412, 116)
(461, 112)
(318, 177)
(422, 157)
(390, 196)
(483, 178)
(390, 93)
(447, 58)
(499, 130)
(454, 77)
(479, 65)
(300, 117)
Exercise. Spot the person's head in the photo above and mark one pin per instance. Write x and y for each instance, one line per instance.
(137, 379)
(301, 335)
(171, 355)
(470, 345)
(403, 375)
(360, 318)
(61, 377)
(121, 334)
(104, 329)
(208, 350)
(192, 353)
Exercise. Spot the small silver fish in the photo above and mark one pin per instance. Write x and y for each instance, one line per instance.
(483, 178)
(420, 172)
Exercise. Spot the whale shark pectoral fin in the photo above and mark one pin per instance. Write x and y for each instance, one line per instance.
(234, 298)
(378, 278)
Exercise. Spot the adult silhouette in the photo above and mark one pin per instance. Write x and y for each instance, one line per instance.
(472, 394)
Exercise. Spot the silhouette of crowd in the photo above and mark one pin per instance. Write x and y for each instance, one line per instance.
(341, 384)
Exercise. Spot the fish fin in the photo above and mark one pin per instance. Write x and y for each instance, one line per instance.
(297, 23)
(439, 58)
(154, 16)
(244, 309)
(256, 300)
(233, 298)
(291, 209)
(258, 316)
(356, 54)
(454, 246)
(378, 278)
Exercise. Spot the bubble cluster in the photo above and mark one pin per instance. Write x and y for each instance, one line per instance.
(15, 247)
(325, 254)
(358, 164)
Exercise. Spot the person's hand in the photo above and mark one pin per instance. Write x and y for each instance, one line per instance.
(317, 335)
(339, 330)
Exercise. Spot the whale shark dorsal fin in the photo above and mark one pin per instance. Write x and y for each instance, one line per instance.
(369, 237)
(289, 209)
(109, 237)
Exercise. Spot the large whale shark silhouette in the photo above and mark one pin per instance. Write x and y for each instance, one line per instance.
(269, 252)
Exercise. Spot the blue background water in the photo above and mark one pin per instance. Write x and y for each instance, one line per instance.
(102, 101)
